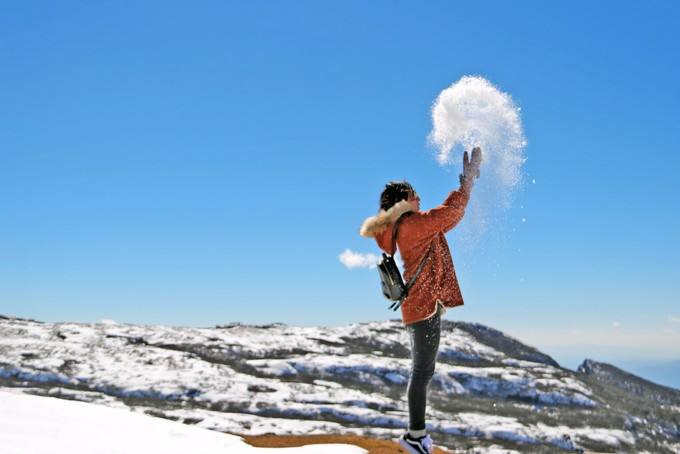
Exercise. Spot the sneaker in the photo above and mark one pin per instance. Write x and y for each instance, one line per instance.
(422, 445)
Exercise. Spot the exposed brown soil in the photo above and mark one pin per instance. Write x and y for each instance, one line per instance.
(372, 445)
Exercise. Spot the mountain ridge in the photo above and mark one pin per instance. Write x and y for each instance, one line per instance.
(489, 389)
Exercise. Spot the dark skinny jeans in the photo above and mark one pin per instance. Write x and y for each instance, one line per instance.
(424, 337)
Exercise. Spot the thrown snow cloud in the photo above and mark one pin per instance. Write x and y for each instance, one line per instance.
(353, 259)
(473, 112)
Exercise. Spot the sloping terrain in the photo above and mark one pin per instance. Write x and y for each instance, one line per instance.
(489, 391)
(43, 425)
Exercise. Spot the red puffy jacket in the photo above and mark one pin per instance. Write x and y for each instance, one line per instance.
(437, 283)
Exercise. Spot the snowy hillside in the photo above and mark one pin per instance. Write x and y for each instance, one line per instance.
(488, 390)
(41, 425)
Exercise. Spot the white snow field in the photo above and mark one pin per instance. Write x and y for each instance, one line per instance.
(45, 425)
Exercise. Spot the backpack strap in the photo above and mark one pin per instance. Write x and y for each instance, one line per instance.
(395, 227)
(421, 265)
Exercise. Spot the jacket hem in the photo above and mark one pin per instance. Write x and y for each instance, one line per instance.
(439, 303)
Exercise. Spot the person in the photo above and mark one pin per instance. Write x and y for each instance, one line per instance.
(435, 288)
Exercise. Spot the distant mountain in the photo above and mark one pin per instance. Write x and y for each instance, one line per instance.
(490, 391)
(661, 371)
(633, 385)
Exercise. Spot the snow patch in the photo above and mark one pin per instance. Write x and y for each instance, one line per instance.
(43, 425)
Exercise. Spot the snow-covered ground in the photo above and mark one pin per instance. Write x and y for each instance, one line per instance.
(293, 380)
(44, 425)
(147, 361)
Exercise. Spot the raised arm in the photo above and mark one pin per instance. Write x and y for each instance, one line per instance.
(445, 216)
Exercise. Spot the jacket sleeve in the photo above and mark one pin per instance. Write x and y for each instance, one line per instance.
(385, 241)
(444, 217)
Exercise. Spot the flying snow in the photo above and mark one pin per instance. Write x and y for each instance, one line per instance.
(473, 112)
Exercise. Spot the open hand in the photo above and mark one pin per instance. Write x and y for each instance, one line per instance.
(471, 167)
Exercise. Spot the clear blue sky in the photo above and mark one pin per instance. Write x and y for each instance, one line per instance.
(162, 162)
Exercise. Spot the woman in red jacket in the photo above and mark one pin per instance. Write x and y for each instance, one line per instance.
(436, 287)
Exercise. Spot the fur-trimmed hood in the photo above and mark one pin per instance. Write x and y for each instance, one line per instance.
(374, 225)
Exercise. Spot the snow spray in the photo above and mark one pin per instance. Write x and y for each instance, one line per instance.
(473, 112)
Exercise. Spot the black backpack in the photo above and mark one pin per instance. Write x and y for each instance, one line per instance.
(392, 284)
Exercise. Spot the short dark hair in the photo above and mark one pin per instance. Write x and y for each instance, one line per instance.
(395, 191)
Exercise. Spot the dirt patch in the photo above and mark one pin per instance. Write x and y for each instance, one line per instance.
(372, 445)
